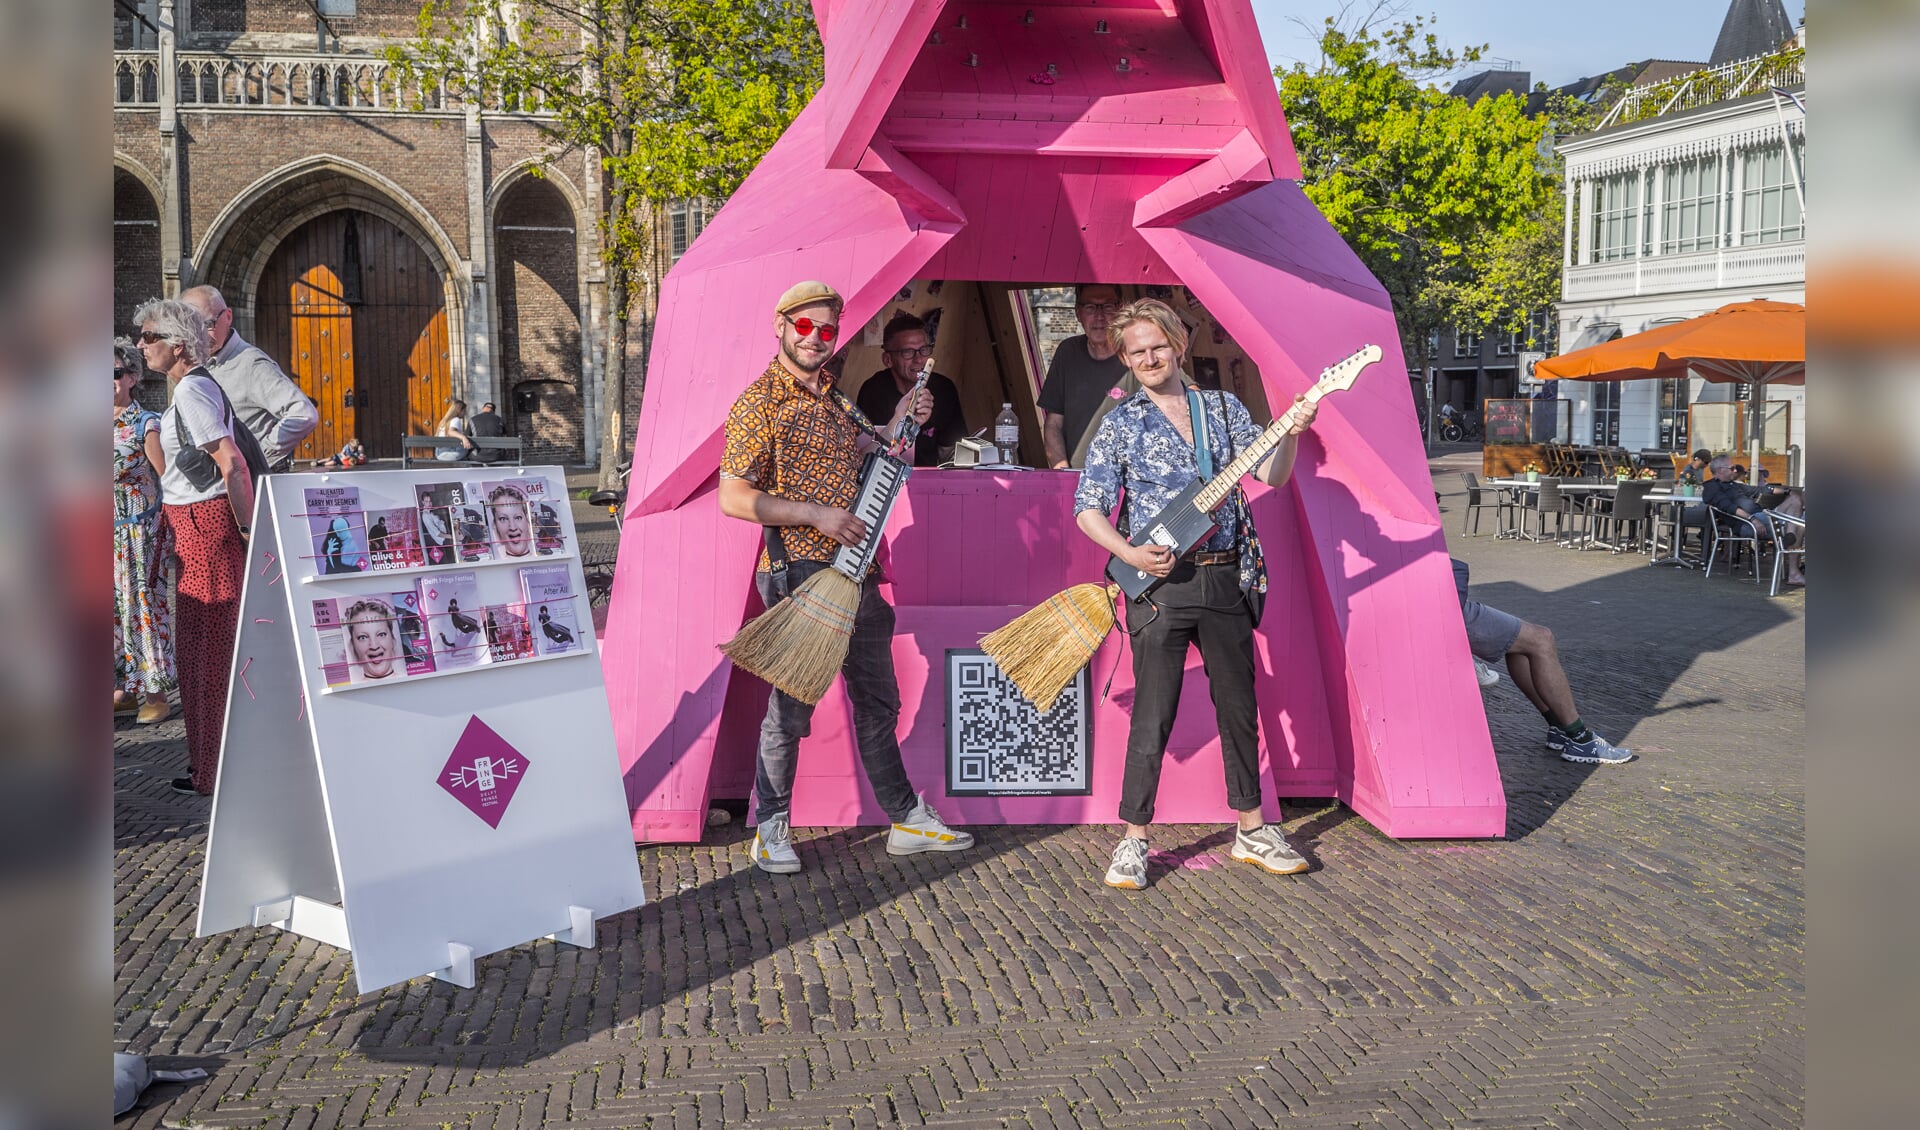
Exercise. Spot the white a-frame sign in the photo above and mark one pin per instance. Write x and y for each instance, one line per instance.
(418, 763)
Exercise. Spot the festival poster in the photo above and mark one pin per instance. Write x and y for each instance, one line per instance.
(339, 530)
(508, 637)
(370, 626)
(411, 627)
(472, 529)
(511, 507)
(333, 644)
(436, 504)
(393, 539)
(548, 591)
(451, 604)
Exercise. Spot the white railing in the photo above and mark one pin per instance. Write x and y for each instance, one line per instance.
(1769, 264)
(1712, 84)
(282, 82)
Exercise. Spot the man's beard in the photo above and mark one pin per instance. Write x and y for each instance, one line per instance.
(804, 363)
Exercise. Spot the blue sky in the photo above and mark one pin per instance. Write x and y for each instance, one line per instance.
(1556, 40)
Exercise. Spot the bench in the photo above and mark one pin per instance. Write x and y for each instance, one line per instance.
(418, 451)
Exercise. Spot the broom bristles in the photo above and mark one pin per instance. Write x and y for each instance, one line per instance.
(1042, 649)
(799, 644)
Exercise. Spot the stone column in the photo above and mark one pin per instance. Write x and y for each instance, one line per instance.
(480, 380)
(171, 201)
(1567, 243)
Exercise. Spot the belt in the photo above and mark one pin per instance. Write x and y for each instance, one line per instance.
(1223, 557)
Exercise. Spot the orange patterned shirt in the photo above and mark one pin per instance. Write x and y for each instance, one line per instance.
(795, 444)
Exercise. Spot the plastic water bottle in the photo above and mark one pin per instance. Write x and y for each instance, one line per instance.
(1006, 434)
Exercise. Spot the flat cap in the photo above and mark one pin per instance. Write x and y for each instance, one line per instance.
(806, 294)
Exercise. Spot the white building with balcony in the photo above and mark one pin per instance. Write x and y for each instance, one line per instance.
(1691, 195)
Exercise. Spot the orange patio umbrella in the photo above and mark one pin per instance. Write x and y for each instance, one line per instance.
(1756, 343)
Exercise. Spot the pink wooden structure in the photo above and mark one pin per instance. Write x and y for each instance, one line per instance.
(1157, 154)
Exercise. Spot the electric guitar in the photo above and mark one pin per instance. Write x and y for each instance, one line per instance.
(1188, 519)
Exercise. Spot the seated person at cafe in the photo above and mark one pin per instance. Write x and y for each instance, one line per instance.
(1757, 505)
(1083, 371)
(1697, 466)
(1534, 662)
(905, 348)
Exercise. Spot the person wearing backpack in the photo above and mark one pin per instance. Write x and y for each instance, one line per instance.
(206, 487)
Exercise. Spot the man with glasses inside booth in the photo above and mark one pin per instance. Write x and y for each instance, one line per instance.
(905, 348)
(792, 464)
(1084, 370)
(265, 399)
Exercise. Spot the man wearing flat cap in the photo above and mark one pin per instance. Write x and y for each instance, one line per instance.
(792, 465)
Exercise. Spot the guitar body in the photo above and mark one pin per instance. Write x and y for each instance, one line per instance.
(1188, 519)
(1179, 526)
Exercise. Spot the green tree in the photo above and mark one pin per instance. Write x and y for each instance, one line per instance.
(679, 99)
(1453, 205)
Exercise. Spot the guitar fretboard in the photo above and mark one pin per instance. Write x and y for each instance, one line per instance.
(1222, 483)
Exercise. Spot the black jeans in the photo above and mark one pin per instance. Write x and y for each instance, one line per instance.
(1200, 605)
(872, 689)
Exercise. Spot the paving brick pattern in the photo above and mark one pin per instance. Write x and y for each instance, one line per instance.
(1631, 955)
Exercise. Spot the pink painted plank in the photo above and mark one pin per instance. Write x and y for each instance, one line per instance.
(1243, 64)
(1240, 167)
(867, 58)
(1081, 138)
(892, 172)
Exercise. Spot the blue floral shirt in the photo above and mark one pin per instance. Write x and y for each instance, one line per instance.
(1138, 451)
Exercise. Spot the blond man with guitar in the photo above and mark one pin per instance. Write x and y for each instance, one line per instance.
(1191, 569)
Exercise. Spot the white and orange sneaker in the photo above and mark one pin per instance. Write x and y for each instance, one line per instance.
(923, 830)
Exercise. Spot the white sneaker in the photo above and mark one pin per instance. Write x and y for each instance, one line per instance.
(1267, 847)
(923, 830)
(1128, 871)
(773, 847)
(1485, 673)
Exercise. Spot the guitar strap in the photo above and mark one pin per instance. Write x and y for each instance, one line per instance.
(1202, 448)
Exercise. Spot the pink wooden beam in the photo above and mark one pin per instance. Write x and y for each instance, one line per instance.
(873, 46)
(1243, 64)
(895, 174)
(1058, 139)
(1240, 167)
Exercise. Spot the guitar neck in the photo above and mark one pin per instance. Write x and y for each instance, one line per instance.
(1222, 484)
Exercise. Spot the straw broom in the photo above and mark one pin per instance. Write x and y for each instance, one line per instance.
(1043, 648)
(799, 644)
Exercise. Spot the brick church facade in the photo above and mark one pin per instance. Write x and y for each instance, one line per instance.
(387, 257)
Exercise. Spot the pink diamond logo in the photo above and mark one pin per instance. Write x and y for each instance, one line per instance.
(483, 772)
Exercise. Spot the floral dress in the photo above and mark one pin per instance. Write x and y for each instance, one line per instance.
(142, 622)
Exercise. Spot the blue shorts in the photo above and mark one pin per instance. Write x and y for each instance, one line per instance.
(1490, 632)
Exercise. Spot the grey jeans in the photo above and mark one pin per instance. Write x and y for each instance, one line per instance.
(871, 688)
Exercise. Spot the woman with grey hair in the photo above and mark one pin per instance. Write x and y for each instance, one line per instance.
(142, 622)
(209, 500)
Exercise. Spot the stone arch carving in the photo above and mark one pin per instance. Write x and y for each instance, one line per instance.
(234, 252)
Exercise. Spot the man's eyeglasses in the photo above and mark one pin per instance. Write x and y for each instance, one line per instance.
(149, 337)
(805, 327)
(118, 373)
(923, 351)
(1107, 308)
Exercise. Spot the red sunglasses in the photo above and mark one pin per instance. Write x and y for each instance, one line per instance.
(805, 327)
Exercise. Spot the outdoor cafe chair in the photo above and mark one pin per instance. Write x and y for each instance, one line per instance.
(1547, 500)
(1782, 552)
(1476, 502)
(1628, 507)
(1739, 537)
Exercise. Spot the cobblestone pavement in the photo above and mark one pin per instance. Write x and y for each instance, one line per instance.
(1630, 955)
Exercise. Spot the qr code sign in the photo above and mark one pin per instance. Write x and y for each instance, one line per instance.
(999, 745)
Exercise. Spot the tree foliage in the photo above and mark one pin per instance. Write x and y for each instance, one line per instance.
(1455, 206)
(678, 98)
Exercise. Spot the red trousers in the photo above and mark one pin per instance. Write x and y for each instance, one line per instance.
(213, 562)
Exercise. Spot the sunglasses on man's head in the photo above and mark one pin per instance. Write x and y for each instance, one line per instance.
(805, 327)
